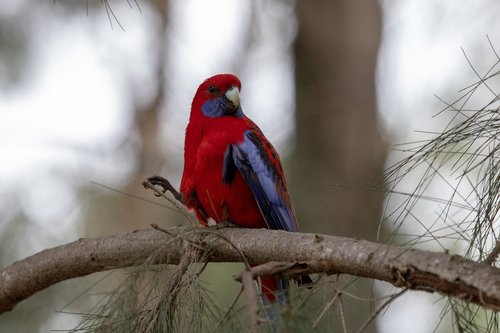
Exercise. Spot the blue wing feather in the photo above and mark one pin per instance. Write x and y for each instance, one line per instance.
(228, 166)
(266, 184)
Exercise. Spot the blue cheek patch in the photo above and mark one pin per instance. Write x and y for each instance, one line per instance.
(214, 107)
(218, 107)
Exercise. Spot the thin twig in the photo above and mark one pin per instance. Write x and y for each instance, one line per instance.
(251, 298)
(268, 269)
(200, 230)
(330, 303)
(291, 270)
(380, 308)
(493, 255)
(342, 314)
(179, 205)
(325, 309)
(226, 315)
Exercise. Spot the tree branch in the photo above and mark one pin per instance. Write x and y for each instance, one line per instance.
(307, 253)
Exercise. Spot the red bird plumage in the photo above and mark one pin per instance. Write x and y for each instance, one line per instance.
(231, 171)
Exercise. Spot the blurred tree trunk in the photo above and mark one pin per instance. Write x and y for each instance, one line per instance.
(336, 120)
(336, 123)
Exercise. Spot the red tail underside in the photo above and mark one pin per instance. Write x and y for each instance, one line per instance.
(269, 287)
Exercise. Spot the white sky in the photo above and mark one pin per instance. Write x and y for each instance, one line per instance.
(76, 101)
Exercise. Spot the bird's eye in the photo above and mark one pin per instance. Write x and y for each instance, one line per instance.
(212, 89)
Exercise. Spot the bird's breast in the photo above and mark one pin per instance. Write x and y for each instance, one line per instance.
(222, 201)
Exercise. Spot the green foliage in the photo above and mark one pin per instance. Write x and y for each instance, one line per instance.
(176, 298)
(458, 171)
(154, 299)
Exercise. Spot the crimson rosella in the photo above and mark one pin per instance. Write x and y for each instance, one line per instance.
(232, 173)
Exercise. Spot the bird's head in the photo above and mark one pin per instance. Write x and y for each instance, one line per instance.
(218, 96)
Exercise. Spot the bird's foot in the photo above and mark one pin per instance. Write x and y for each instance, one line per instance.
(223, 224)
(164, 184)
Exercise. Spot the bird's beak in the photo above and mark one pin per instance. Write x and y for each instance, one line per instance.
(233, 95)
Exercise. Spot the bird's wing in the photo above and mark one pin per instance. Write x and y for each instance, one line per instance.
(257, 161)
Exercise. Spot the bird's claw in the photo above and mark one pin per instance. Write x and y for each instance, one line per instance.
(164, 184)
(222, 225)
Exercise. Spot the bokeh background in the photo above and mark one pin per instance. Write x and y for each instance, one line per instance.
(95, 95)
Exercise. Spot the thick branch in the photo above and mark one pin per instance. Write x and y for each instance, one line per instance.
(413, 269)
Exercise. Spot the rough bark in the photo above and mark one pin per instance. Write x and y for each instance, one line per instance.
(309, 253)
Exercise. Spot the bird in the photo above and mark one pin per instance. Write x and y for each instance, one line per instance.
(232, 173)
